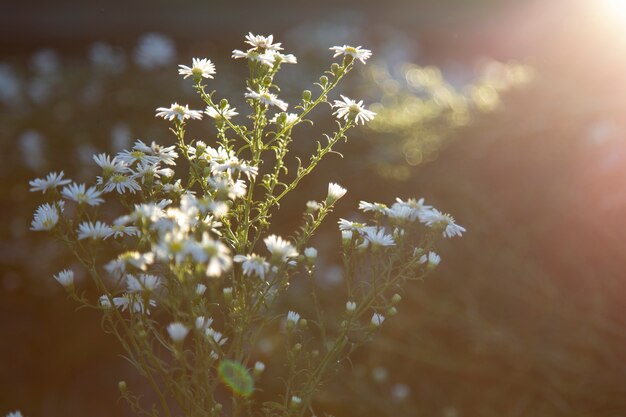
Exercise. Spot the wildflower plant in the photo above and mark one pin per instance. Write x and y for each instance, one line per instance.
(199, 274)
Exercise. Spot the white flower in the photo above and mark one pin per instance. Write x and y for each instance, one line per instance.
(310, 254)
(377, 237)
(295, 401)
(377, 319)
(109, 166)
(65, 278)
(356, 53)
(352, 226)
(200, 289)
(53, 180)
(154, 50)
(259, 367)
(177, 331)
(199, 68)
(349, 109)
(221, 113)
(203, 322)
(432, 258)
(375, 207)
(145, 282)
(253, 55)
(99, 230)
(130, 157)
(166, 154)
(271, 58)
(216, 336)
(78, 193)
(120, 230)
(262, 42)
(418, 209)
(279, 248)
(120, 183)
(350, 306)
(46, 217)
(290, 119)
(132, 303)
(346, 236)
(214, 253)
(177, 111)
(435, 218)
(267, 98)
(14, 414)
(293, 318)
(401, 213)
(104, 301)
(253, 264)
(335, 192)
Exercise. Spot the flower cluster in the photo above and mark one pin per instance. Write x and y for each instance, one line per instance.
(198, 246)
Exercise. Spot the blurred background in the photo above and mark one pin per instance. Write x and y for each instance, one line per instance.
(511, 115)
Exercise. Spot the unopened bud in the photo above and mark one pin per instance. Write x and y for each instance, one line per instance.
(121, 386)
(396, 299)
(306, 95)
(392, 311)
(324, 80)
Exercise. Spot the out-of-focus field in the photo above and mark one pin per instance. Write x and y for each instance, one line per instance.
(525, 315)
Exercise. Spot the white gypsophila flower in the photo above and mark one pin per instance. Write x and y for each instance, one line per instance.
(253, 264)
(377, 319)
(266, 98)
(65, 278)
(199, 68)
(51, 181)
(45, 218)
(82, 195)
(377, 237)
(279, 248)
(435, 218)
(225, 113)
(14, 414)
(432, 258)
(106, 58)
(109, 166)
(214, 253)
(154, 50)
(355, 52)
(200, 289)
(335, 192)
(145, 282)
(262, 42)
(350, 306)
(310, 253)
(374, 207)
(293, 317)
(177, 331)
(349, 109)
(178, 111)
(253, 56)
(120, 183)
(203, 322)
(95, 231)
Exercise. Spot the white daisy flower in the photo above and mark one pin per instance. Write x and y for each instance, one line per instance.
(98, 230)
(267, 98)
(375, 207)
(51, 181)
(78, 193)
(14, 414)
(271, 58)
(149, 170)
(377, 319)
(120, 183)
(419, 209)
(65, 278)
(377, 237)
(280, 249)
(253, 264)
(349, 109)
(432, 258)
(356, 53)
(220, 114)
(227, 188)
(132, 303)
(401, 213)
(165, 154)
(216, 336)
(177, 331)
(290, 119)
(262, 42)
(214, 253)
(201, 289)
(293, 318)
(177, 111)
(109, 166)
(435, 218)
(253, 55)
(203, 322)
(350, 306)
(45, 218)
(345, 225)
(199, 68)
(145, 282)
(335, 192)
(173, 245)
(120, 230)
(234, 164)
(130, 157)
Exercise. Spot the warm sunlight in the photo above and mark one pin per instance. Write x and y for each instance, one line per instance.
(615, 8)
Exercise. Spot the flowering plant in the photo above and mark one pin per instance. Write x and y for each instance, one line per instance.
(192, 291)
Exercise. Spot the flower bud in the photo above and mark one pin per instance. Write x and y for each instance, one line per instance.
(297, 347)
(295, 401)
(335, 69)
(306, 95)
(121, 386)
(350, 307)
(324, 80)
(396, 299)
(392, 311)
(303, 323)
(259, 367)
(377, 320)
(223, 103)
(311, 255)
